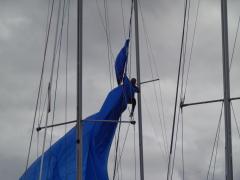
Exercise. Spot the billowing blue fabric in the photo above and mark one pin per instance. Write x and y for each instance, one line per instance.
(121, 62)
(60, 159)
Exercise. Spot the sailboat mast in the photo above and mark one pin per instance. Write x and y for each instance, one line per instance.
(226, 86)
(139, 94)
(79, 90)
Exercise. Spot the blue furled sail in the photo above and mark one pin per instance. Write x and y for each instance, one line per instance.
(121, 62)
(60, 159)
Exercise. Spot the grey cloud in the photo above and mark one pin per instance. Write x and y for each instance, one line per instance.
(22, 36)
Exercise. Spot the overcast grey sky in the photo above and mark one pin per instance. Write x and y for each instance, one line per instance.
(22, 36)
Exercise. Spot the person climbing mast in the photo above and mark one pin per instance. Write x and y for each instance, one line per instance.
(132, 99)
(121, 69)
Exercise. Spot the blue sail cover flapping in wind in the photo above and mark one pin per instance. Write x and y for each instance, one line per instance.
(60, 159)
(121, 62)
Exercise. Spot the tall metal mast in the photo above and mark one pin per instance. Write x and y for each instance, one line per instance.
(79, 90)
(139, 94)
(226, 86)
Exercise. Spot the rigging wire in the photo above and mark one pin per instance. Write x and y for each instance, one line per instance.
(185, 40)
(43, 110)
(123, 20)
(116, 151)
(40, 85)
(58, 65)
(175, 144)
(235, 41)
(109, 44)
(183, 166)
(161, 120)
(135, 155)
(40, 122)
(235, 119)
(40, 94)
(37, 144)
(104, 23)
(177, 89)
(154, 131)
(49, 89)
(59, 48)
(185, 50)
(191, 49)
(215, 158)
(129, 37)
(100, 15)
(151, 120)
(66, 83)
(116, 163)
(122, 150)
(215, 141)
(181, 94)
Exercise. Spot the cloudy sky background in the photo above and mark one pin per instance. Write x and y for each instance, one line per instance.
(22, 36)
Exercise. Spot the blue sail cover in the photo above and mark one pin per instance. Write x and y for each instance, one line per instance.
(60, 159)
(121, 62)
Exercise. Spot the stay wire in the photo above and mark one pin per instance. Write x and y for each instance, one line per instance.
(100, 15)
(183, 165)
(40, 122)
(181, 95)
(151, 121)
(129, 36)
(109, 46)
(116, 150)
(43, 110)
(123, 19)
(57, 71)
(116, 162)
(66, 84)
(117, 138)
(235, 119)
(135, 155)
(235, 41)
(124, 142)
(49, 89)
(185, 50)
(216, 153)
(37, 144)
(191, 49)
(40, 94)
(151, 57)
(215, 140)
(40, 86)
(177, 89)
(130, 45)
(104, 23)
(130, 20)
(162, 123)
(182, 98)
(59, 49)
(175, 144)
